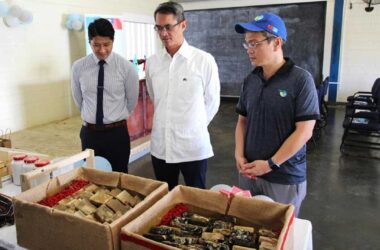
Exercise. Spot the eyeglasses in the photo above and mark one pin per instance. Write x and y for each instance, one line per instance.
(167, 27)
(252, 45)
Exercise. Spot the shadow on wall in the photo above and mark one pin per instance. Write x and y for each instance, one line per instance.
(77, 49)
(43, 103)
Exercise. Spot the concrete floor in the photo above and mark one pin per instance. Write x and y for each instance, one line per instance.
(343, 192)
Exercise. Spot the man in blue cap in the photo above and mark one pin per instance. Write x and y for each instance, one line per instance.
(277, 109)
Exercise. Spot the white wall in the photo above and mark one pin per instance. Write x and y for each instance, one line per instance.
(360, 52)
(36, 59)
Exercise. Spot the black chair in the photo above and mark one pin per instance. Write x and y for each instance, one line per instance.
(323, 110)
(365, 95)
(322, 121)
(363, 100)
(362, 124)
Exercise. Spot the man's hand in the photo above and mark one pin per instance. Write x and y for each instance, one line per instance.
(240, 163)
(255, 168)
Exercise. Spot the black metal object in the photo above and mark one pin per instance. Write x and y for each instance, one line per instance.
(6, 211)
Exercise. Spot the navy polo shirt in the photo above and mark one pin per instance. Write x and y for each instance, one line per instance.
(272, 109)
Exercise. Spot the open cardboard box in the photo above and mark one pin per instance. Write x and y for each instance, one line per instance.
(249, 211)
(41, 227)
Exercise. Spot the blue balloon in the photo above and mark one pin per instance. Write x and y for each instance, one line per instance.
(69, 24)
(4, 9)
(73, 17)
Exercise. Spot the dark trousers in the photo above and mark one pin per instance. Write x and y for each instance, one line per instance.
(194, 172)
(113, 144)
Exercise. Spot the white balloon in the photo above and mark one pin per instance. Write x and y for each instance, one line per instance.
(26, 16)
(15, 11)
(263, 197)
(77, 25)
(219, 187)
(3, 9)
(11, 21)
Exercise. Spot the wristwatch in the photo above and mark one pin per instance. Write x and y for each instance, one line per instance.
(272, 165)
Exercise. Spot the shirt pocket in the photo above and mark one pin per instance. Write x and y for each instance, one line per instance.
(88, 84)
(192, 87)
(159, 83)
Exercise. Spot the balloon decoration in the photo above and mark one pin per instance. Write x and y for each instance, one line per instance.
(15, 11)
(14, 15)
(26, 16)
(74, 22)
(11, 21)
(4, 9)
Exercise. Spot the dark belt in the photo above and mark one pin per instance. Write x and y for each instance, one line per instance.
(103, 127)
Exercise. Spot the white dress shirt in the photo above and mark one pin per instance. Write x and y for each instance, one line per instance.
(185, 91)
(120, 87)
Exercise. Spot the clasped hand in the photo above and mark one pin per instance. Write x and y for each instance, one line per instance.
(252, 169)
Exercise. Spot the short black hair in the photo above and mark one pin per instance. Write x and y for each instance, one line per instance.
(101, 27)
(171, 8)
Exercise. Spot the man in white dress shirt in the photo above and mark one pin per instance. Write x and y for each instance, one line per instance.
(105, 90)
(183, 83)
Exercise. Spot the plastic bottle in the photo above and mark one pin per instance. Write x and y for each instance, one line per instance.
(29, 164)
(17, 165)
(40, 164)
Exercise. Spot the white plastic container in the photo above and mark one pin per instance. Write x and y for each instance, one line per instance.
(17, 165)
(40, 164)
(29, 164)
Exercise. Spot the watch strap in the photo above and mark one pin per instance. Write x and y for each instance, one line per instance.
(273, 165)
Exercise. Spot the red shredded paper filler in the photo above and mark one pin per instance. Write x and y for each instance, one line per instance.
(74, 186)
(176, 211)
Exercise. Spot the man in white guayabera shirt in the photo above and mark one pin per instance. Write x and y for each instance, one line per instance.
(183, 83)
(105, 90)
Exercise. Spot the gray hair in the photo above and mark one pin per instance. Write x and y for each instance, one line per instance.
(171, 8)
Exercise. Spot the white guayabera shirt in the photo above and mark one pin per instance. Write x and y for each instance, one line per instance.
(185, 90)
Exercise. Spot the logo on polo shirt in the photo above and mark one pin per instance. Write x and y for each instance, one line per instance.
(283, 92)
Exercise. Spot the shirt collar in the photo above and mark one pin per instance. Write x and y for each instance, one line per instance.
(286, 67)
(184, 50)
(108, 59)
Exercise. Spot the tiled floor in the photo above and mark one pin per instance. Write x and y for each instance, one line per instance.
(343, 192)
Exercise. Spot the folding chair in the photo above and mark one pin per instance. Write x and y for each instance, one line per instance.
(362, 126)
(364, 100)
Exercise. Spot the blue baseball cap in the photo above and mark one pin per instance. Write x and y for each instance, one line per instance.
(265, 22)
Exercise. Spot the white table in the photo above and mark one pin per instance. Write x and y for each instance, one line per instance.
(8, 233)
(302, 238)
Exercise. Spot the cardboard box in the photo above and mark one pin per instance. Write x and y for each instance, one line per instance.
(3, 169)
(249, 211)
(40, 227)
